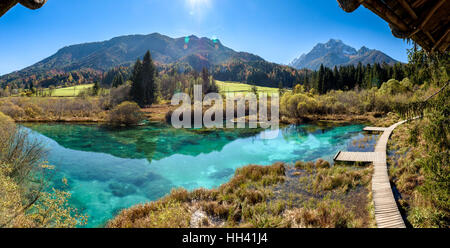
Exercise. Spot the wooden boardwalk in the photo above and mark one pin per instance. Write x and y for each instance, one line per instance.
(375, 129)
(356, 156)
(387, 214)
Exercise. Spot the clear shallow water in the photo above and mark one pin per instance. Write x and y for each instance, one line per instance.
(108, 170)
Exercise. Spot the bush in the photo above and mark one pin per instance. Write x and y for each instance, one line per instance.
(125, 114)
(393, 87)
(51, 109)
(6, 127)
(12, 110)
(320, 163)
(153, 215)
(300, 165)
(300, 104)
(23, 202)
(115, 97)
(19, 155)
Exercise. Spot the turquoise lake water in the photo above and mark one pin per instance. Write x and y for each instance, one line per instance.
(108, 170)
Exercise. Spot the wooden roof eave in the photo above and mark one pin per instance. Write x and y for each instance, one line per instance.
(6, 5)
(411, 19)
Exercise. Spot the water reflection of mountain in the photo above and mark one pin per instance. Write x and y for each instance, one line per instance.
(153, 142)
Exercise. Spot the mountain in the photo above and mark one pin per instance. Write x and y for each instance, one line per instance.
(90, 62)
(336, 53)
(86, 62)
(124, 50)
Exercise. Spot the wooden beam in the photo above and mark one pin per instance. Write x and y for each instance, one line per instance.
(430, 14)
(430, 37)
(418, 3)
(440, 40)
(414, 32)
(387, 14)
(444, 47)
(409, 9)
(426, 19)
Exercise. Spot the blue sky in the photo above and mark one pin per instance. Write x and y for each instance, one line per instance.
(277, 30)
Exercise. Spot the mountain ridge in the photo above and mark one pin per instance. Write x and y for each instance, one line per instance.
(124, 50)
(88, 62)
(337, 53)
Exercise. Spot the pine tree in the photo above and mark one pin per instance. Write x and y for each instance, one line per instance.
(281, 88)
(321, 79)
(214, 88)
(205, 80)
(336, 76)
(96, 88)
(137, 91)
(359, 74)
(149, 80)
(118, 80)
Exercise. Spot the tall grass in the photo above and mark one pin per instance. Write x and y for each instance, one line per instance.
(247, 200)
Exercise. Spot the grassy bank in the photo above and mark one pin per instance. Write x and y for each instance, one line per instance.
(419, 168)
(262, 197)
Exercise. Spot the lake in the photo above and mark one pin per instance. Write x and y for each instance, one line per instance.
(108, 170)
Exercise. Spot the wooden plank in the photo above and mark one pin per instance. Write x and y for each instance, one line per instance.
(409, 9)
(375, 129)
(386, 211)
(356, 156)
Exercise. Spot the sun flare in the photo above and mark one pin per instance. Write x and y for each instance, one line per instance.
(198, 5)
(198, 2)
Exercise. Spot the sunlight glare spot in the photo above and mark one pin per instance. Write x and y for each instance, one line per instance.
(198, 7)
(194, 3)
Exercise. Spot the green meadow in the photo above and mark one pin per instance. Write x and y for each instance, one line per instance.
(69, 91)
(236, 87)
(224, 87)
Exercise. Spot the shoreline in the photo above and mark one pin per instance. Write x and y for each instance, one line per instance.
(158, 114)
